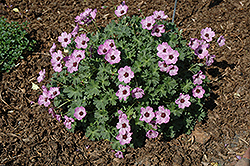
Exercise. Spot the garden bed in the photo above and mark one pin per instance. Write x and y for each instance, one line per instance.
(30, 136)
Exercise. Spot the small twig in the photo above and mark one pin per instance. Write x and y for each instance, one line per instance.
(244, 141)
(40, 53)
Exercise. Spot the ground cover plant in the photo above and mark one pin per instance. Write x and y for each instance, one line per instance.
(134, 78)
(14, 42)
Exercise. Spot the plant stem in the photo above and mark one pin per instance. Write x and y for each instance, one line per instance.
(64, 103)
(175, 3)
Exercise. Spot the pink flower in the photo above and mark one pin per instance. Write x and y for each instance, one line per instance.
(122, 115)
(103, 49)
(171, 56)
(158, 30)
(152, 134)
(57, 67)
(159, 15)
(111, 43)
(121, 10)
(75, 30)
(123, 92)
(81, 41)
(148, 23)
(172, 70)
(163, 49)
(44, 98)
(80, 113)
(162, 115)
(137, 93)
(194, 43)
(64, 39)
(68, 121)
(72, 64)
(93, 13)
(198, 91)
(182, 101)
(221, 41)
(58, 117)
(124, 137)
(201, 51)
(119, 154)
(123, 124)
(41, 75)
(113, 56)
(207, 34)
(125, 74)
(210, 60)
(79, 54)
(147, 114)
(56, 57)
(54, 91)
(197, 78)
(153, 124)
(52, 49)
(163, 66)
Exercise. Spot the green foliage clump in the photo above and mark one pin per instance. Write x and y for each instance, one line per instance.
(13, 43)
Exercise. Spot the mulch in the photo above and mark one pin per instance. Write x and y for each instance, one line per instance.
(30, 136)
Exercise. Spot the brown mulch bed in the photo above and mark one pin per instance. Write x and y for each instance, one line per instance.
(30, 136)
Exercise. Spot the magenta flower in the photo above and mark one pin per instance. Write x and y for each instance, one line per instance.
(148, 22)
(123, 124)
(81, 41)
(52, 49)
(194, 43)
(122, 115)
(121, 10)
(137, 93)
(162, 115)
(80, 113)
(119, 154)
(111, 43)
(207, 34)
(123, 92)
(197, 78)
(198, 91)
(172, 70)
(93, 14)
(210, 60)
(163, 49)
(51, 110)
(58, 117)
(54, 91)
(56, 57)
(163, 66)
(113, 56)
(57, 67)
(158, 30)
(103, 49)
(201, 51)
(72, 64)
(221, 41)
(124, 137)
(159, 15)
(64, 39)
(147, 114)
(171, 56)
(68, 121)
(75, 30)
(44, 98)
(125, 74)
(152, 134)
(182, 101)
(84, 17)
(79, 54)
(41, 75)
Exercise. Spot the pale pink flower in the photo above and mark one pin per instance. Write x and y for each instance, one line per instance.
(125, 74)
(72, 64)
(123, 92)
(121, 10)
(41, 75)
(64, 39)
(80, 113)
(81, 41)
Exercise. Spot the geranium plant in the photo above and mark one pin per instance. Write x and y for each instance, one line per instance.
(134, 79)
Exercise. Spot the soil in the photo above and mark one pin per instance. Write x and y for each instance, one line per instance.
(30, 136)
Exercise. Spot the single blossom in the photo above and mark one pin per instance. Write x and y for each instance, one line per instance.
(124, 137)
(113, 56)
(123, 124)
(103, 49)
(158, 30)
(68, 121)
(64, 39)
(163, 66)
(58, 117)
(137, 93)
(72, 64)
(57, 67)
(207, 34)
(162, 115)
(93, 13)
(210, 60)
(153, 124)
(44, 98)
(147, 114)
(52, 49)
(197, 78)
(119, 154)
(163, 49)
(54, 91)
(56, 57)
(183, 101)
(121, 10)
(148, 22)
(125, 74)
(79, 54)
(75, 30)
(171, 56)
(111, 43)
(80, 113)
(221, 41)
(41, 75)
(198, 91)
(81, 41)
(172, 70)
(123, 92)
(122, 115)
(152, 134)
(201, 51)
(194, 43)
(159, 15)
